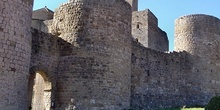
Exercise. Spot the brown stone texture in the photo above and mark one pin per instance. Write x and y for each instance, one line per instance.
(146, 31)
(28, 2)
(86, 57)
(44, 58)
(134, 4)
(95, 54)
(165, 80)
(158, 79)
(15, 52)
(199, 35)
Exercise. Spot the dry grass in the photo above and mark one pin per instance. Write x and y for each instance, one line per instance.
(184, 109)
(192, 109)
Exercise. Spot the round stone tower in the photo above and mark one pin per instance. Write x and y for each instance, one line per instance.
(15, 51)
(198, 34)
(94, 66)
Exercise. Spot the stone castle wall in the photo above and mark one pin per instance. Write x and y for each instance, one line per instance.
(15, 52)
(199, 35)
(164, 80)
(134, 4)
(146, 31)
(45, 53)
(44, 60)
(91, 57)
(95, 54)
(159, 80)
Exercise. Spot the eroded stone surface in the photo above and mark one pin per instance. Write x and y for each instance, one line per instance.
(88, 54)
(15, 52)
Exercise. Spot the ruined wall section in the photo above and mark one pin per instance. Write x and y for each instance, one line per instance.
(159, 80)
(146, 31)
(15, 52)
(94, 67)
(199, 35)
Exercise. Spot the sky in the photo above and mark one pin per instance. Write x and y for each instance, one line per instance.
(166, 11)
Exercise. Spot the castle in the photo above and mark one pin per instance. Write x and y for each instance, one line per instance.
(104, 55)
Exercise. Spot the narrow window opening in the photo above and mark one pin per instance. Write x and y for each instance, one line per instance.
(148, 72)
(138, 26)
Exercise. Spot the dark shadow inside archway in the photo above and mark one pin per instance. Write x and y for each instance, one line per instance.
(39, 91)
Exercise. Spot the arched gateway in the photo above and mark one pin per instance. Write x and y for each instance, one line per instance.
(39, 91)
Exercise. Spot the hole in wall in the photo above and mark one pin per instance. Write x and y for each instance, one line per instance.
(1, 29)
(138, 26)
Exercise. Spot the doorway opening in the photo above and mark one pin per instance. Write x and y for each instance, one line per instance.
(39, 90)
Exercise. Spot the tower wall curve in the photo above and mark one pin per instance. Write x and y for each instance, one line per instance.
(198, 34)
(15, 52)
(96, 54)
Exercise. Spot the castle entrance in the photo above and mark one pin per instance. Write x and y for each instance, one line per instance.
(39, 89)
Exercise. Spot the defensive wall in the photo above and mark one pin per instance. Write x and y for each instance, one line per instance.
(199, 36)
(91, 57)
(186, 77)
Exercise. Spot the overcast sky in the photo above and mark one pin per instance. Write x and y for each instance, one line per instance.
(165, 10)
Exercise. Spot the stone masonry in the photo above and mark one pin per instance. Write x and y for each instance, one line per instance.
(134, 4)
(104, 55)
(42, 19)
(146, 31)
(15, 52)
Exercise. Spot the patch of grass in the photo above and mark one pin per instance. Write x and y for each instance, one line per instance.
(183, 109)
(192, 109)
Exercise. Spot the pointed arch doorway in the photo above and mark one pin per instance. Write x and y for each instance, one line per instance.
(39, 91)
